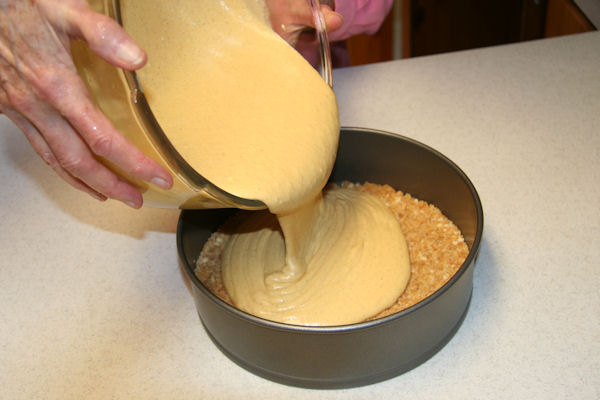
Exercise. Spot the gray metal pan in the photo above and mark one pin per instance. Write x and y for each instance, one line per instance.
(363, 353)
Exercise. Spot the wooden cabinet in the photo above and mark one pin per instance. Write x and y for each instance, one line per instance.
(564, 18)
(438, 26)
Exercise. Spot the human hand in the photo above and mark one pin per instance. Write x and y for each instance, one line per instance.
(291, 17)
(41, 92)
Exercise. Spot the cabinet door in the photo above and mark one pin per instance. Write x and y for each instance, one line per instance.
(439, 26)
(565, 18)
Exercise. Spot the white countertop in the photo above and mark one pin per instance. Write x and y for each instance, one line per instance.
(93, 304)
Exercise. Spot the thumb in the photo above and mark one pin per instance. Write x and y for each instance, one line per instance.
(109, 40)
(104, 35)
(333, 20)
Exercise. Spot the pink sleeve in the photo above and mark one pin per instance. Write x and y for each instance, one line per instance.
(360, 16)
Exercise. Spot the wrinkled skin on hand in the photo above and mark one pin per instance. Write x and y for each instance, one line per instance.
(289, 18)
(42, 94)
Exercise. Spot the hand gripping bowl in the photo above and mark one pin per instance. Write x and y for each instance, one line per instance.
(362, 353)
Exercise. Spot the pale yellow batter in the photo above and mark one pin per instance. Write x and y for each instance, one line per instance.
(253, 117)
(352, 262)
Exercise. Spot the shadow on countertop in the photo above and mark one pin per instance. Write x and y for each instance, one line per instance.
(23, 172)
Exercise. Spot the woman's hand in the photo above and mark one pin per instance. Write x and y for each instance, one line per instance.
(41, 92)
(290, 18)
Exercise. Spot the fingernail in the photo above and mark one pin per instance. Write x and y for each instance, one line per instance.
(132, 204)
(130, 53)
(98, 196)
(160, 182)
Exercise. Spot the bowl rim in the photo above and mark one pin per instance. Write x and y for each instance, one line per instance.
(364, 325)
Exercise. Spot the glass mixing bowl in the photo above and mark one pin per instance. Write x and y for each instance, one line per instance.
(118, 94)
